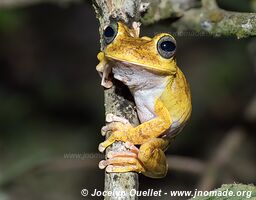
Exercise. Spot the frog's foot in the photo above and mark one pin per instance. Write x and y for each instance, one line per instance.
(136, 26)
(122, 162)
(120, 132)
(116, 123)
(105, 80)
(131, 147)
(104, 70)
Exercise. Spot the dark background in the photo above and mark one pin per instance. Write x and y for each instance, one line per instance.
(51, 104)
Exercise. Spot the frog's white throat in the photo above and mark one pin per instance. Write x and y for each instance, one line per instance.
(137, 77)
(145, 86)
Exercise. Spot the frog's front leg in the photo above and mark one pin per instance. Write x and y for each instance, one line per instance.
(114, 121)
(142, 133)
(104, 70)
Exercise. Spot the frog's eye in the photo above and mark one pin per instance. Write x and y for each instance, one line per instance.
(166, 46)
(110, 33)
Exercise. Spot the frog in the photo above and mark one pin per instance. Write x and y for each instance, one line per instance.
(148, 67)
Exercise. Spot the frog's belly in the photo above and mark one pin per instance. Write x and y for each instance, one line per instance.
(145, 109)
(146, 87)
(145, 98)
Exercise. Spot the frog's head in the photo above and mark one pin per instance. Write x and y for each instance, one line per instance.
(155, 54)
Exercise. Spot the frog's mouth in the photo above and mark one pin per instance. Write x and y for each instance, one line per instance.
(132, 75)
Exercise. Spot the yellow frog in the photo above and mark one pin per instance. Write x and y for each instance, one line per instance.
(161, 93)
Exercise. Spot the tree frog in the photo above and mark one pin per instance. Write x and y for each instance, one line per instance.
(161, 94)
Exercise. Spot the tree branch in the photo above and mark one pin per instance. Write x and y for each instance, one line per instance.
(218, 22)
(167, 9)
(117, 97)
(193, 15)
(209, 4)
(209, 18)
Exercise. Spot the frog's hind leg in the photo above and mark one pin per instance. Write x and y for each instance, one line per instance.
(121, 162)
(149, 159)
(152, 156)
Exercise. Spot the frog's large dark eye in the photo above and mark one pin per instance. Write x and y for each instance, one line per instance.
(166, 46)
(109, 33)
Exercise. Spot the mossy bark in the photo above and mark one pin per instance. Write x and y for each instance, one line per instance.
(203, 17)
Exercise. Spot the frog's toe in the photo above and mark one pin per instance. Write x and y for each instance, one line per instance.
(115, 127)
(122, 169)
(112, 154)
(122, 164)
(101, 147)
(102, 164)
(109, 127)
(131, 147)
(114, 118)
(106, 83)
(104, 130)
